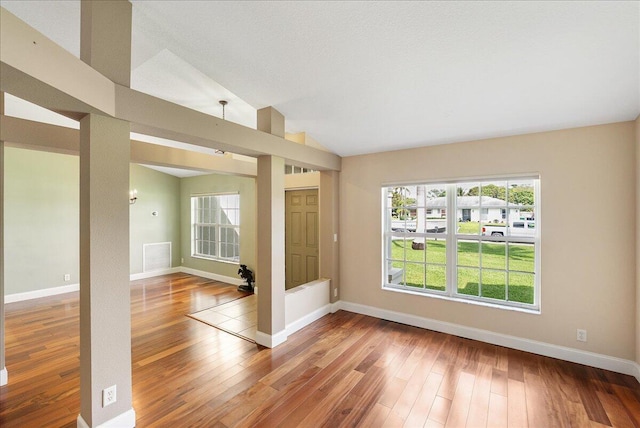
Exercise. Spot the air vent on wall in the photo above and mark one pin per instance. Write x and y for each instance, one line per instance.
(156, 256)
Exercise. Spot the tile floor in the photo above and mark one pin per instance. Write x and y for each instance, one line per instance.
(239, 317)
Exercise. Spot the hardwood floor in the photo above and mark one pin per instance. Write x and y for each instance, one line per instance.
(343, 370)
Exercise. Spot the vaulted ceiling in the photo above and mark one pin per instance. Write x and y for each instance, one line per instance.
(362, 77)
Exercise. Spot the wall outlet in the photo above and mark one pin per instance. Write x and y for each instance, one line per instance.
(108, 396)
(581, 335)
(182, 261)
(335, 292)
(67, 277)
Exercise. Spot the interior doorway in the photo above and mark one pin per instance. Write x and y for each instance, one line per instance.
(301, 237)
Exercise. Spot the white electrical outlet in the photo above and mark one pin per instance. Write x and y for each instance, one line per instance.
(182, 261)
(335, 292)
(108, 396)
(581, 335)
(67, 277)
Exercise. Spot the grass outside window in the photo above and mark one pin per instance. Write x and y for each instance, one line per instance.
(492, 282)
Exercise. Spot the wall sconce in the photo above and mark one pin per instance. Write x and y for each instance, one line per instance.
(133, 196)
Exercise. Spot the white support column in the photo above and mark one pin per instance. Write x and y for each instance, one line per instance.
(105, 308)
(270, 273)
(3, 369)
(329, 231)
(105, 301)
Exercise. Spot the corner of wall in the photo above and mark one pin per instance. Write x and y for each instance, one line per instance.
(637, 186)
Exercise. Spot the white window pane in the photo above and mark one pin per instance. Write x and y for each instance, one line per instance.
(468, 281)
(436, 278)
(521, 287)
(494, 284)
(468, 253)
(521, 193)
(415, 275)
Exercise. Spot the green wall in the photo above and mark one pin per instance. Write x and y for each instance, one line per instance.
(157, 192)
(215, 183)
(42, 218)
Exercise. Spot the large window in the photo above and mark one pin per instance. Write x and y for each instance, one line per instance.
(215, 231)
(475, 240)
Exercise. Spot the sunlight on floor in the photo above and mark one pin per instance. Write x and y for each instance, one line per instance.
(239, 317)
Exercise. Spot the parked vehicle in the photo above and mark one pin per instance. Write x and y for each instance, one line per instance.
(517, 228)
(431, 226)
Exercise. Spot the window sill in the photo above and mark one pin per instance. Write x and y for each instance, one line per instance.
(533, 311)
(213, 259)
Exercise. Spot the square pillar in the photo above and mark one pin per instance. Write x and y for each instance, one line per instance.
(105, 308)
(105, 152)
(3, 369)
(105, 36)
(329, 227)
(271, 121)
(270, 273)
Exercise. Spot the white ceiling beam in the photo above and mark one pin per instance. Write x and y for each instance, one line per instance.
(36, 69)
(154, 154)
(26, 134)
(160, 118)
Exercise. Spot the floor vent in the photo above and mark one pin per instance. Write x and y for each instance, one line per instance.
(156, 256)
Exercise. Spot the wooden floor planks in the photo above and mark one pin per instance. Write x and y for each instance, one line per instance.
(343, 370)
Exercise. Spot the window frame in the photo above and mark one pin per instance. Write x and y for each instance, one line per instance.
(217, 226)
(452, 239)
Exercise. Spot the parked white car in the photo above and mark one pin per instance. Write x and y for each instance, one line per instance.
(517, 228)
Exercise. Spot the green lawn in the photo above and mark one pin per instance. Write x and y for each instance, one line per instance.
(493, 281)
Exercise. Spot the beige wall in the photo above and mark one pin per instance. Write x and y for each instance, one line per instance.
(587, 224)
(638, 239)
(215, 183)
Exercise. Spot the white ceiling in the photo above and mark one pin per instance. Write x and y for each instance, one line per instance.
(363, 77)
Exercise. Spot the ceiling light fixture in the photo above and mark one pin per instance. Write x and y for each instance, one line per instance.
(223, 103)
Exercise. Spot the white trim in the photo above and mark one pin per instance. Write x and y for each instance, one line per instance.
(457, 180)
(592, 359)
(45, 292)
(304, 321)
(637, 372)
(4, 376)
(123, 420)
(336, 306)
(145, 275)
(53, 291)
(271, 341)
(214, 276)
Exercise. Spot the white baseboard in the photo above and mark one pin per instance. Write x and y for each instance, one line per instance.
(335, 307)
(601, 361)
(145, 275)
(53, 291)
(45, 292)
(4, 376)
(300, 323)
(271, 341)
(123, 420)
(637, 372)
(214, 276)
